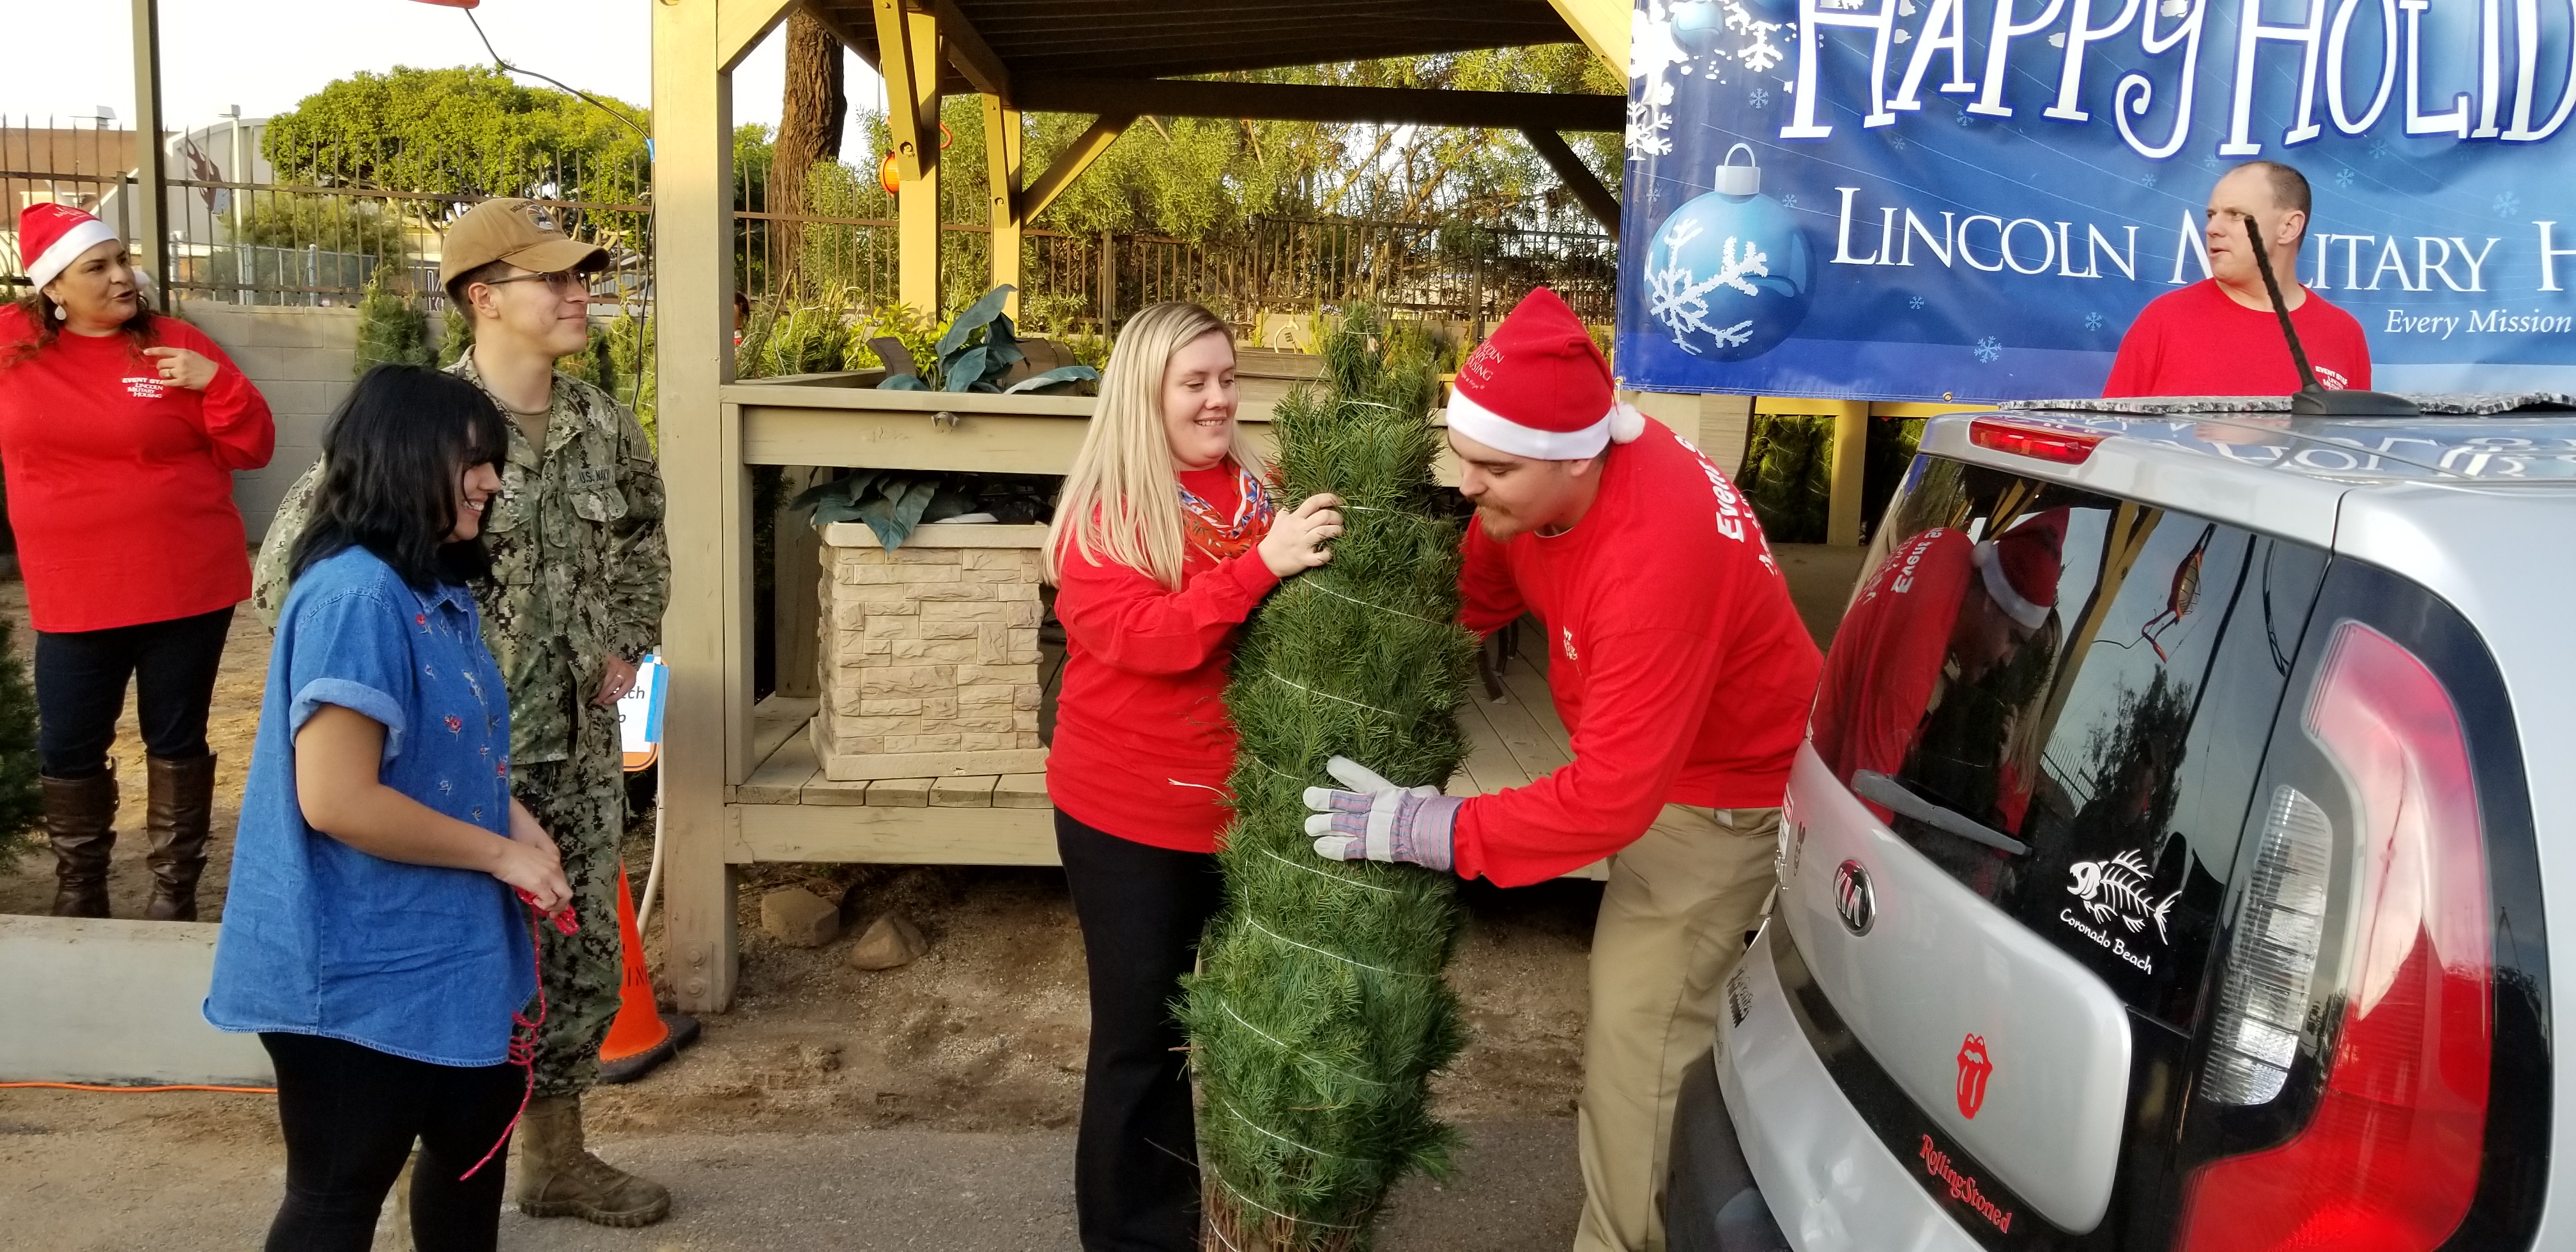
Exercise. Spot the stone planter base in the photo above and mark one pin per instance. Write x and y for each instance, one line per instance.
(930, 653)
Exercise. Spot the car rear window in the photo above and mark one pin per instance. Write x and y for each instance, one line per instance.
(2062, 699)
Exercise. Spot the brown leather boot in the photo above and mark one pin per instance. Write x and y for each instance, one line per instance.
(179, 816)
(557, 1177)
(80, 821)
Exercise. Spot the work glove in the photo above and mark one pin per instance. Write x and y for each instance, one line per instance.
(1380, 821)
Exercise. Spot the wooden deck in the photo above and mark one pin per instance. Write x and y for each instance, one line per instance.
(787, 811)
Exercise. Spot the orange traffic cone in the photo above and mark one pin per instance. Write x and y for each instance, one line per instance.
(641, 1037)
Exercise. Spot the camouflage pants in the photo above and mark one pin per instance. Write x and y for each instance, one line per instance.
(582, 803)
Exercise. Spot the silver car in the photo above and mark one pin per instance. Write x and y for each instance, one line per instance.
(2171, 860)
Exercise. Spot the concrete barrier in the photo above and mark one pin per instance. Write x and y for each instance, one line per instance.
(111, 1001)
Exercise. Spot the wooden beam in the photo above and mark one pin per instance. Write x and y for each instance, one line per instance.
(1075, 157)
(1577, 177)
(967, 50)
(1288, 102)
(1851, 454)
(706, 521)
(1602, 25)
(908, 45)
(1003, 141)
(151, 200)
(923, 835)
(742, 24)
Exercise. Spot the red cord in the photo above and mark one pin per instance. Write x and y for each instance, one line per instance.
(523, 1033)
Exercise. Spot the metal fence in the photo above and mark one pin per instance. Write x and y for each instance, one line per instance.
(255, 222)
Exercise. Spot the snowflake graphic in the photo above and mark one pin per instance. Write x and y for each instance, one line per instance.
(2378, 148)
(1989, 348)
(2344, 177)
(1915, 303)
(1897, 142)
(2092, 321)
(1758, 53)
(2508, 204)
(2147, 179)
(1679, 299)
(1965, 120)
(1653, 48)
(1761, 98)
(2209, 163)
(1789, 201)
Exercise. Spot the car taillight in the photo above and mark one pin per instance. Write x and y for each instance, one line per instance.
(2389, 1162)
(2030, 439)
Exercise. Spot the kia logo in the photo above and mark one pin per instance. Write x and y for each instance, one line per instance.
(1853, 897)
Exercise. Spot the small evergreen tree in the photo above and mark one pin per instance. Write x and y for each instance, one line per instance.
(21, 799)
(392, 328)
(1320, 1014)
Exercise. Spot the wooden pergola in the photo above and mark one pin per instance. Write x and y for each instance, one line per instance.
(1115, 60)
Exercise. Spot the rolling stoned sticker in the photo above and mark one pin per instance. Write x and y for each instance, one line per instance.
(2118, 893)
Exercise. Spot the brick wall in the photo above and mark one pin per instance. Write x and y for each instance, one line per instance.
(930, 652)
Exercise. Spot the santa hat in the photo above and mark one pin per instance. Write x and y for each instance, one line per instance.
(52, 236)
(1538, 387)
(2020, 567)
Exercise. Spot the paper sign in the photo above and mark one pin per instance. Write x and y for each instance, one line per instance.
(639, 713)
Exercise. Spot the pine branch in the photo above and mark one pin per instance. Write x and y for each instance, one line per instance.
(1320, 1014)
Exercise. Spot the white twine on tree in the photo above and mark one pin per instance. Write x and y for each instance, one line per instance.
(1255, 923)
(1283, 1045)
(1319, 872)
(1311, 582)
(1231, 1190)
(1258, 1128)
(1274, 676)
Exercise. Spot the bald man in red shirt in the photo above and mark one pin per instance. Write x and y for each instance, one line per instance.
(2219, 336)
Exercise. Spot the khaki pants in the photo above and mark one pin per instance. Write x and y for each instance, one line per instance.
(1673, 919)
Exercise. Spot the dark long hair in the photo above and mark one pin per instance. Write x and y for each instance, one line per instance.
(43, 327)
(391, 459)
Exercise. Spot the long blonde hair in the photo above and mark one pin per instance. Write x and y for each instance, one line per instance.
(1122, 499)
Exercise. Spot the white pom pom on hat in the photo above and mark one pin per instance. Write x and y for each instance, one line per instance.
(1539, 387)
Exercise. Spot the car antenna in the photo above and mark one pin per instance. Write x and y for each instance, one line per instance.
(2312, 399)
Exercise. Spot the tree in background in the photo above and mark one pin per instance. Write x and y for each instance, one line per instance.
(392, 327)
(465, 132)
(809, 124)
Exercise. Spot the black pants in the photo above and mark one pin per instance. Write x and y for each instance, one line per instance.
(1135, 1165)
(80, 690)
(351, 1113)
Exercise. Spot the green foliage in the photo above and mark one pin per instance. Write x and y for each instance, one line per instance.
(455, 337)
(894, 502)
(22, 803)
(1789, 476)
(629, 341)
(1320, 1014)
(332, 224)
(392, 327)
(977, 349)
(466, 131)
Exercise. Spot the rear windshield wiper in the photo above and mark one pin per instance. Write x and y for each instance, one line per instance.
(1878, 788)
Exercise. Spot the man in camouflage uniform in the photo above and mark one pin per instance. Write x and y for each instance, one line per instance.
(579, 579)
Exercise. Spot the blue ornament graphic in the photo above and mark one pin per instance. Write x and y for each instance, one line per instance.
(1729, 274)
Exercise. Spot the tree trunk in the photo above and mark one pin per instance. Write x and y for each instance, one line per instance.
(809, 130)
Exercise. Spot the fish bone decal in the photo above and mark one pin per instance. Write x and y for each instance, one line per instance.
(2120, 888)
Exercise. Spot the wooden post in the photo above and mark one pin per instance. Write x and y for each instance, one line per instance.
(706, 633)
(908, 54)
(1851, 454)
(797, 569)
(1002, 143)
(1108, 279)
(151, 193)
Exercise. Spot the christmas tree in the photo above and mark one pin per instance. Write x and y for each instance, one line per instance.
(1320, 1014)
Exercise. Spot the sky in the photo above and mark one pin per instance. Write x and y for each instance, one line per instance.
(264, 55)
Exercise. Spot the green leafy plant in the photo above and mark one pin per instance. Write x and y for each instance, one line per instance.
(894, 503)
(22, 803)
(1320, 1013)
(392, 327)
(978, 349)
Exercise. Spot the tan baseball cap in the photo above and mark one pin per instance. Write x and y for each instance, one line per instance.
(522, 232)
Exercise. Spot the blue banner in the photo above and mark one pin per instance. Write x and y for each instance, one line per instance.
(1972, 199)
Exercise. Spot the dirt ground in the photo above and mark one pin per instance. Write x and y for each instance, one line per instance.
(984, 1035)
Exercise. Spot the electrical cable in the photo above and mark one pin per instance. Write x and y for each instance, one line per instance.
(112, 1089)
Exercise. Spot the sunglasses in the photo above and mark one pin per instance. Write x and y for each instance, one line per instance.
(560, 282)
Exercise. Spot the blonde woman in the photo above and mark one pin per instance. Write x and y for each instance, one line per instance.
(1164, 541)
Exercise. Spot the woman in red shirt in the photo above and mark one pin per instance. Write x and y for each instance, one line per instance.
(119, 433)
(1164, 541)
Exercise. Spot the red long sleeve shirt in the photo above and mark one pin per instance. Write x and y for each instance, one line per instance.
(1143, 743)
(1888, 655)
(1677, 662)
(120, 484)
(2197, 342)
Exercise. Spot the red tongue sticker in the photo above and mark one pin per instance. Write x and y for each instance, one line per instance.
(1974, 1066)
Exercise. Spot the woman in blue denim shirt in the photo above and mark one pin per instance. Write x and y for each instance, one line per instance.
(371, 935)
